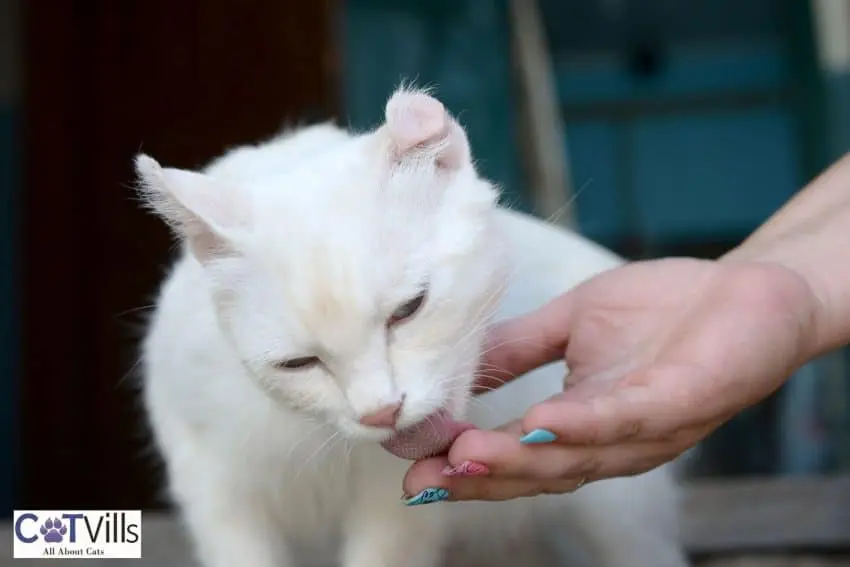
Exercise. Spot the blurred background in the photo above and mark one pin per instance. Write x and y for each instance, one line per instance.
(668, 126)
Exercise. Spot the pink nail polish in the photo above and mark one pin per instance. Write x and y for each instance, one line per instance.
(467, 468)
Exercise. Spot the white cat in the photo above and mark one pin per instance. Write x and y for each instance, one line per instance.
(330, 298)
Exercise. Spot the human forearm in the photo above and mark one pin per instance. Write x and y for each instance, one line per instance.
(830, 190)
(811, 236)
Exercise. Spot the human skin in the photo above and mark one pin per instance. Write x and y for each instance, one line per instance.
(661, 353)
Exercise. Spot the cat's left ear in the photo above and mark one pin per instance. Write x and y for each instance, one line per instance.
(418, 124)
(197, 207)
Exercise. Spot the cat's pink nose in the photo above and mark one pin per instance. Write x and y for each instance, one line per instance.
(386, 416)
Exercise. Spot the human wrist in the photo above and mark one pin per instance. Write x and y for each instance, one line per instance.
(810, 236)
(803, 295)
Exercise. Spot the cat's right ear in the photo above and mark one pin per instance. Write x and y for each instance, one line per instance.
(199, 210)
(419, 124)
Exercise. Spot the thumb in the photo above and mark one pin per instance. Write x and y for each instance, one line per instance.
(520, 345)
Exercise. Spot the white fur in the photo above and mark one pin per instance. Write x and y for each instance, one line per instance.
(304, 245)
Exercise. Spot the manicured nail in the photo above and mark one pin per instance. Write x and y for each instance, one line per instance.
(538, 436)
(467, 468)
(428, 496)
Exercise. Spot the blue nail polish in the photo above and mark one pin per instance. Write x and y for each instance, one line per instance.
(538, 436)
(428, 496)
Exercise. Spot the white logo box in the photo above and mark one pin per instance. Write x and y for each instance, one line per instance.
(77, 534)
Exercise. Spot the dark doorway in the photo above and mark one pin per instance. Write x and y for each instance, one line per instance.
(104, 79)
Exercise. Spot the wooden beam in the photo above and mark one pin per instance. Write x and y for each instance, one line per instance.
(543, 141)
(768, 514)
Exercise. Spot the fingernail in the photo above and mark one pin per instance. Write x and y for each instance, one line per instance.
(538, 436)
(428, 496)
(467, 468)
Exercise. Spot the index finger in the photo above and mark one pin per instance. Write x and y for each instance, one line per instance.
(624, 413)
(520, 345)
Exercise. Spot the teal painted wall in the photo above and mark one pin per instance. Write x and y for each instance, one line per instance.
(838, 110)
(676, 175)
(462, 47)
(837, 95)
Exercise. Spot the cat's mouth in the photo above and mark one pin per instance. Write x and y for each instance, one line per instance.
(427, 438)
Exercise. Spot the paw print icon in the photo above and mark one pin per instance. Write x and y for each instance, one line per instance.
(53, 530)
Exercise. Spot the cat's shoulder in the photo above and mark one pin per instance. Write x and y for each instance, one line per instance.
(547, 259)
(529, 235)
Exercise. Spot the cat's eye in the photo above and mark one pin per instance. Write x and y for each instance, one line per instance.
(408, 309)
(299, 363)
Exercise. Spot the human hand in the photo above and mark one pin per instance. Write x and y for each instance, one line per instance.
(660, 353)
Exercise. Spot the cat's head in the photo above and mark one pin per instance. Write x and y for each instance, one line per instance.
(356, 284)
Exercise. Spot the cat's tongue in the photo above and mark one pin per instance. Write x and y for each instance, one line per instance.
(429, 437)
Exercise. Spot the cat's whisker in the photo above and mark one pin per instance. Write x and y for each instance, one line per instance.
(495, 296)
(315, 454)
(482, 366)
(291, 454)
(482, 404)
(556, 216)
(526, 339)
(479, 324)
(474, 332)
(465, 395)
(481, 321)
(305, 438)
(500, 379)
(486, 388)
(494, 373)
(349, 449)
(488, 308)
(133, 310)
(130, 372)
(453, 389)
